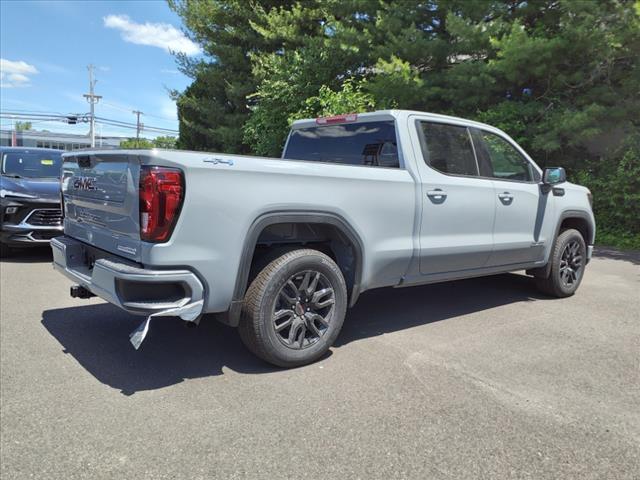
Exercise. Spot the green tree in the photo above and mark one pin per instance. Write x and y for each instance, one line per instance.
(164, 142)
(560, 76)
(158, 142)
(20, 126)
(214, 108)
(136, 143)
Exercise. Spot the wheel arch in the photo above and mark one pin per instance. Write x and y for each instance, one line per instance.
(268, 219)
(578, 219)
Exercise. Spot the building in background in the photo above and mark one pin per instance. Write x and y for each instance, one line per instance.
(60, 141)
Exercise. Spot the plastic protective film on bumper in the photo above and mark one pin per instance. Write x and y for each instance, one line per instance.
(188, 313)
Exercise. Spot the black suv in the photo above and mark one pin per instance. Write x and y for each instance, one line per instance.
(30, 210)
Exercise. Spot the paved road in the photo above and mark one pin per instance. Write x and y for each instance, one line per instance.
(474, 379)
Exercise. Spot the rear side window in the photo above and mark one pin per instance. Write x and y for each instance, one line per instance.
(499, 159)
(367, 143)
(447, 148)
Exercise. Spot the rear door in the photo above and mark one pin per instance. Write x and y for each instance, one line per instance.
(101, 202)
(458, 209)
(521, 209)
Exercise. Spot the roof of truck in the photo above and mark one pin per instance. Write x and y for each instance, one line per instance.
(396, 114)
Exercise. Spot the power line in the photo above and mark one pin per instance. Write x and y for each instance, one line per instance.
(83, 117)
(21, 116)
(147, 128)
(123, 109)
(91, 118)
(32, 122)
(36, 111)
(135, 125)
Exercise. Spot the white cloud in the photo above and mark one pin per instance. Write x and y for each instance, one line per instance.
(15, 73)
(161, 35)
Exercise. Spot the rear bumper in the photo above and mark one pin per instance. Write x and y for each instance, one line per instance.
(125, 284)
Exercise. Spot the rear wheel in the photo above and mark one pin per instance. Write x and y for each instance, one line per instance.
(294, 308)
(568, 261)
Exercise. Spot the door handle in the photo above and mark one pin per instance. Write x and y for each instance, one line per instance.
(437, 194)
(505, 198)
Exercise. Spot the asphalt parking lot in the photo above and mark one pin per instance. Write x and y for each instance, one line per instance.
(481, 378)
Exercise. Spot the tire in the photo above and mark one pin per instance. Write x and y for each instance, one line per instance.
(288, 322)
(568, 261)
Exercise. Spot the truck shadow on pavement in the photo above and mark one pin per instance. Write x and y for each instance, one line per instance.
(388, 310)
(30, 255)
(97, 336)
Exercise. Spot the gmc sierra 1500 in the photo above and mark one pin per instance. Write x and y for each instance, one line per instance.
(281, 247)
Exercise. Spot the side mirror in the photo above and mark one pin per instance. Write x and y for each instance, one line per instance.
(554, 175)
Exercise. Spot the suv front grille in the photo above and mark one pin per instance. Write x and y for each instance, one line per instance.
(49, 217)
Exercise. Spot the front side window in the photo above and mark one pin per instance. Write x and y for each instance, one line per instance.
(367, 143)
(32, 164)
(499, 159)
(447, 148)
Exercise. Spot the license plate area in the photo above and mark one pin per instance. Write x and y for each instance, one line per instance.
(82, 258)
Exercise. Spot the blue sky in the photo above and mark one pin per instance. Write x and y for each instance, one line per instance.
(46, 46)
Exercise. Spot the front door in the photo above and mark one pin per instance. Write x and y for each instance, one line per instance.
(522, 213)
(458, 207)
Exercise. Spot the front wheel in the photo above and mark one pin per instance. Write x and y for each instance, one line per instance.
(294, 308)
(568, 260)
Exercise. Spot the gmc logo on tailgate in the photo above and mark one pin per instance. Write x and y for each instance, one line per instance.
(84, 183)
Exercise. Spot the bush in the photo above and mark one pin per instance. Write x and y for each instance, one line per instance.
(615, 185)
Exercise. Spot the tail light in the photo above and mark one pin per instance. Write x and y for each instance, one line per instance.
(161, 197)
(347, 118)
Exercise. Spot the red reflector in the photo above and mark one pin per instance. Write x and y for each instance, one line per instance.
(349, 117)
(161, 196)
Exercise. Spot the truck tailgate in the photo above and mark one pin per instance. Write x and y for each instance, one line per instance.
(101, 202)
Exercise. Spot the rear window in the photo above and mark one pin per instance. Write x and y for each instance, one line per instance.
(368, 143)
(32, 164)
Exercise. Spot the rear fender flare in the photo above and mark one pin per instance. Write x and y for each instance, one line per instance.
(272, 218)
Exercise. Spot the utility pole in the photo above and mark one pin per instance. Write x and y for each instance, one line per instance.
(92, 99)
(138, 126)
(14, 135)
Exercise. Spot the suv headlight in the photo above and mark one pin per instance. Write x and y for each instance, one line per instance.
(8, 193)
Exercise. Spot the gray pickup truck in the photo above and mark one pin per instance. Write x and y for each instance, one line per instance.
(280, 247)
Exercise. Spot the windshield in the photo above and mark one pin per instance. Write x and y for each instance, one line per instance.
(32, 164)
